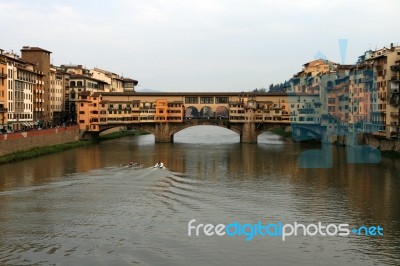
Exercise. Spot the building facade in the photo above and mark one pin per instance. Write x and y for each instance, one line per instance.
(40, 59)
(3, 92)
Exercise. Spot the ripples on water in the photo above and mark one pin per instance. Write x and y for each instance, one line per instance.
(87, 208)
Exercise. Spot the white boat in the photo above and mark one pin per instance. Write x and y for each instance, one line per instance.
(159, 165)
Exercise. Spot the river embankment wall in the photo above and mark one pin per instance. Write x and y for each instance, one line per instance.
(21, 141)
(367, 139)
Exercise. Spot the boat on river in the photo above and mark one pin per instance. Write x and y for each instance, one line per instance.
(159, 165)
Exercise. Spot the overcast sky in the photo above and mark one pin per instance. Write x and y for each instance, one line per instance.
(199, 45)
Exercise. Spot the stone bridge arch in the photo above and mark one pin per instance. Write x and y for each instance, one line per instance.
(206, 112)
(192, 112)
(222, 112)
(164, 132)
(306, 132)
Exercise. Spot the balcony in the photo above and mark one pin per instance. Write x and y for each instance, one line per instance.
(395, 68)
(3, 75)
(394, 114)
(3, 110)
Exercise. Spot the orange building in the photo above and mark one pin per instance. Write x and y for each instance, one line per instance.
(161, 110)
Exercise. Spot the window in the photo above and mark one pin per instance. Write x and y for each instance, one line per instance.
(191, 99)
(221, 99)
(207, 100)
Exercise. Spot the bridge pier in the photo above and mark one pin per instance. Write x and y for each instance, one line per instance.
(248, 133)
(92, 136)
(163, 133)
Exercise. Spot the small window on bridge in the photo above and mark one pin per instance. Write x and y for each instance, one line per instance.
(206, 99)
(221, 99)
(191, 99)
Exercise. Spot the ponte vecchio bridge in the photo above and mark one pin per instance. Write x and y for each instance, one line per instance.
(164, 114)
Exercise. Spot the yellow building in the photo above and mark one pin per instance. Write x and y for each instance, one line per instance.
(24, 83)
(176, 111)
(57, 95)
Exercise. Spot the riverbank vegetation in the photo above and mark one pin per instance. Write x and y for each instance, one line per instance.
(121, 134)
(35, 152)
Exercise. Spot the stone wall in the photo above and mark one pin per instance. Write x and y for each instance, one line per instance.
(366, 139)
(21, 141)
(383, 144)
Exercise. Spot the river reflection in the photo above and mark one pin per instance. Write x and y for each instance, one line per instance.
(85, 206)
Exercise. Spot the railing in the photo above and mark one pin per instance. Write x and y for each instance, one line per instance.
(395, 68)
(3, 75)
(394, 114)
(3, 110)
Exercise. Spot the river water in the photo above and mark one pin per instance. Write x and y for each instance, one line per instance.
(87, 207)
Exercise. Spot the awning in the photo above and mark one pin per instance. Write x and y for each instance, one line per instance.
(27, 124)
